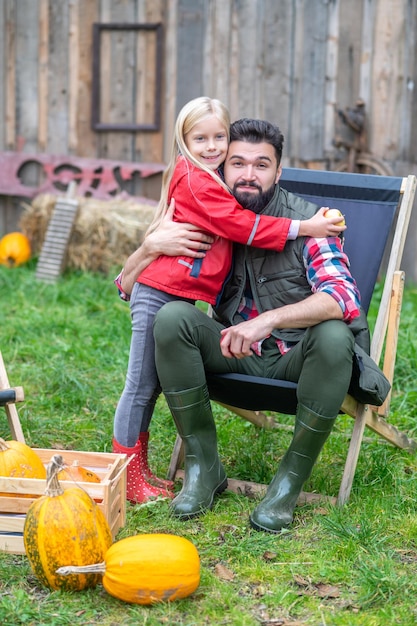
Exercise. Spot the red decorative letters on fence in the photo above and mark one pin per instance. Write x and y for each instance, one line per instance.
(98, 178)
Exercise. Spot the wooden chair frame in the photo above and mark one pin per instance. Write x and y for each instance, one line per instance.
(384, 338)
(8, 397)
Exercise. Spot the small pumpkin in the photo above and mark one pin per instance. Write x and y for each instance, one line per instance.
(14, 249)
(64, 527)
(18, 460)
(149, 568)
(77, 473)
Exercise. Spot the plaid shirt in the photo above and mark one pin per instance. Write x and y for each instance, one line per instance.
(118, 282)
(327, 271)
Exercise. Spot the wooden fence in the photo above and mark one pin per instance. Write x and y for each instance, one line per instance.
(104, 79)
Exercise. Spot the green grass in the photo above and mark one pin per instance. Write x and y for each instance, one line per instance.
(67, 345)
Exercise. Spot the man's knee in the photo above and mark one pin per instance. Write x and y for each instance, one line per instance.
(332, 338)
(170, 319)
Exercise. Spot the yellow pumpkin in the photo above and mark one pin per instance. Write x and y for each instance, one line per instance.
(62, 528)
(17, 460)
(78, 473)
(145, 569)
(14, 249)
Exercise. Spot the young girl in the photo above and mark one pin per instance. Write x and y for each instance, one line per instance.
(199, 148)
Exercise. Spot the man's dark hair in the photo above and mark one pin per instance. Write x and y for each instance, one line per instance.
(258, 131)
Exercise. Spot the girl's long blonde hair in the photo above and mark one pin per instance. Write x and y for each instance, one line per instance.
(191, 114)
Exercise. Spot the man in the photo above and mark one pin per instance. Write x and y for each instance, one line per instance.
(281, 315)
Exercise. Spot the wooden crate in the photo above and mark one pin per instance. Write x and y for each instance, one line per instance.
(110, 493)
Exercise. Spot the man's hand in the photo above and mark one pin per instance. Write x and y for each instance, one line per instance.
(176, 239)
(170, 238)
(236, 340)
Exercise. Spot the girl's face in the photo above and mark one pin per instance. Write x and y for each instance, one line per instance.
(207, 142)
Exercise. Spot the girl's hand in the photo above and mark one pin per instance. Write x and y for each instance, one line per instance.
(321, 226)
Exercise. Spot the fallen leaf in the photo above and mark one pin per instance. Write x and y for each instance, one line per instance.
(327, 591)
(301, 581)
(223, 572)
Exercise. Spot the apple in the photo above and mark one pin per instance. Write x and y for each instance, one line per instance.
(335, 213)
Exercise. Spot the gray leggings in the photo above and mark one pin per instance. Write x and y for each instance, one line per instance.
(137, 402)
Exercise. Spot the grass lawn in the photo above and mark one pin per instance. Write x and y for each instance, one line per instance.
(67, 345)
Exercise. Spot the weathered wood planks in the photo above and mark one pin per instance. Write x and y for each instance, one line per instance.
(290, 62)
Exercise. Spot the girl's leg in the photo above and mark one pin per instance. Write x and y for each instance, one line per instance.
(137, 402)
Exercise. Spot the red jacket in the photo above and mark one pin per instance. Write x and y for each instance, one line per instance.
(199, 200)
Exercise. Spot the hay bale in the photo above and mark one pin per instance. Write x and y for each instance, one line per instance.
(105, 232)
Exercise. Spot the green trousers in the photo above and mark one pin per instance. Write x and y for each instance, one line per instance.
(188, 344)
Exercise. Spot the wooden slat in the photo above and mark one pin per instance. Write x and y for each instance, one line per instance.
(86, 137)
(254, 490)
(26, 79)
(257, 418)
(152, 144)
(191, 21)
(311, 83)
(353, 455)
(367, 48)
(10, 41)
(234, 68)
(275, 104)
(11, 411)
(332, 58)
(73, 72)
(391, 341)
(3, 74)
(121, 72)
(169, 112)
(58, 68)
(12, 543)
(349, 50)
(387, 56)
(105, 83)
(43, 76)
(249, 64)
(217, 49)
(14, 523)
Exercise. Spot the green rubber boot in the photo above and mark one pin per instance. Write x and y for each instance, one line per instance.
(276, 510)
(204, 475)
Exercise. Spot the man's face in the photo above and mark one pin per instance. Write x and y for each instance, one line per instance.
(251, 171)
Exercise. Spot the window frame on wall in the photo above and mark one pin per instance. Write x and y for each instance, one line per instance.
(96, 122)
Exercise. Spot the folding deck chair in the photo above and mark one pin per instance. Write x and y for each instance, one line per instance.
(377, 211)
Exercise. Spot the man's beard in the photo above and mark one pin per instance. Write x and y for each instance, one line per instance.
(255, 202)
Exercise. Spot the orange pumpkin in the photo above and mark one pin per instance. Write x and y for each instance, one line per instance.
(145, 569)
(14, 249)
(17, 460)
(77, 473)
(64, 527)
